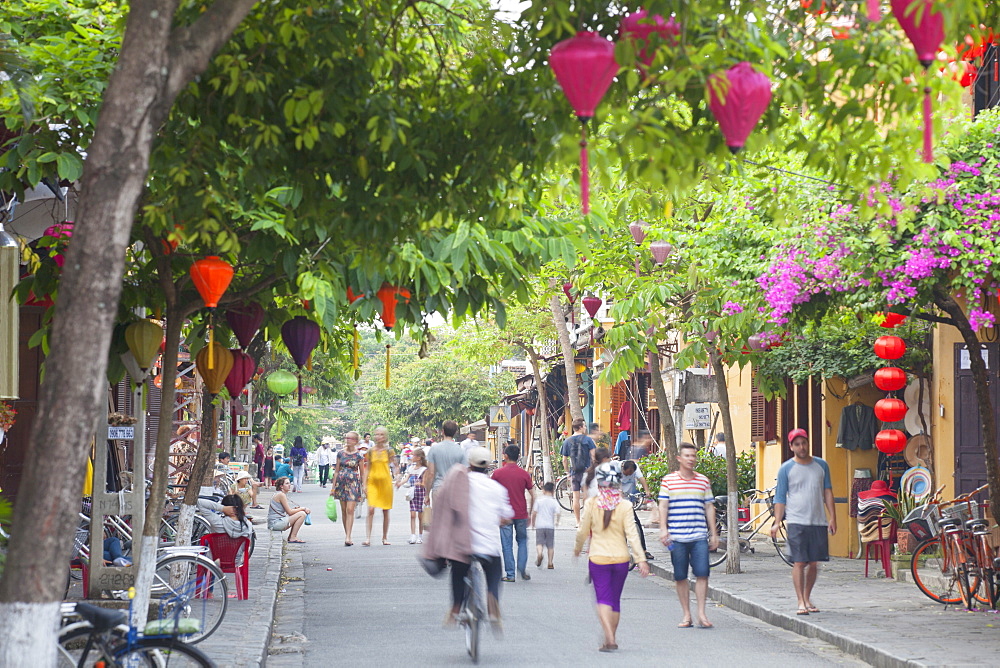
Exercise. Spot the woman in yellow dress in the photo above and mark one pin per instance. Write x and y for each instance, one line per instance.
(378, 476)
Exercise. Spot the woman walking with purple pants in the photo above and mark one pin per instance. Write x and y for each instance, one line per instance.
(607, 521)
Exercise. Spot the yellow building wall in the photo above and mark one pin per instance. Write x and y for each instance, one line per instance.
(739, 382)
(942, 413)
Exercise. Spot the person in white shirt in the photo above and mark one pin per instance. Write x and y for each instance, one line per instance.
(324, 455)
(469, 442)
(719, 447)
(545, 518)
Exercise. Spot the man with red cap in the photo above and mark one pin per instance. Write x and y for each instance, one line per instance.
(804, 499)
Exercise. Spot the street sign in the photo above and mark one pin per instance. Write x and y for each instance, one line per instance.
(242, 432)
(121, 433)
(499, 416)
(698, 416)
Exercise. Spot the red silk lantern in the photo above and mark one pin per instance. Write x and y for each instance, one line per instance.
(389, 296)
(925, 29)
(585, 67)
(300, 335)
(890, 409)
(890, 347)
(891, 319)
(639, 26)
(245, 319)
(593, 305)
(890, 379)
(890, 441)
(738, 98)
(568, 291)
(241, 373)
(808, 6)
(211, 276)
(660, 251)
(351, 297)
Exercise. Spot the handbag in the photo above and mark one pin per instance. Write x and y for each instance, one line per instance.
(409, 493)
(331, 508)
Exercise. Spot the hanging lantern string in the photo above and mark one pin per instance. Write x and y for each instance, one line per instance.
(354, 351)
(300, 386)
(928, 125)
(387, 379)
(211, 337)
(584, 167)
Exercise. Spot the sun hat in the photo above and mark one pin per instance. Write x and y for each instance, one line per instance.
(242, 475)
(878, 488)
(918, 450)
(795, 433)
(608, 474)
(480, 457)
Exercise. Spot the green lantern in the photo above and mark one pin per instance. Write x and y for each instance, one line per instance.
(143, 338)
(282, 382)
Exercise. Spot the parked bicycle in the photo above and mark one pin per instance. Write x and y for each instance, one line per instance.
(759, 523)
(95, 636)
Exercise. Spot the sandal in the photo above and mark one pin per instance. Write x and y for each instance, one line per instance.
(686, 624)
(296, 541)
(812, 608)
(802, 611)
(385, 542)
(366, 544)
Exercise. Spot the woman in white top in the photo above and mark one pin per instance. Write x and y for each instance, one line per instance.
(281, 514)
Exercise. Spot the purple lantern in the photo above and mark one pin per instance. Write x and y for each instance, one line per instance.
(639, 26)
(300, 335)
(660, 251)
(925, 28)
(241, 373)
(738, 98)
(245, 319)
(585, 67)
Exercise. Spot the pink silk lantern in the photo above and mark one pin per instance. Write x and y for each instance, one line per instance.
(241, 373)
(874, 11)
(738, 98)
(638, 231)
(925, 29)
(660, 251)
(593, 305)
(639, 26)
(585, 67)
(568, 291)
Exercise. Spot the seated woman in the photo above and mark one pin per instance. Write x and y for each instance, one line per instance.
(281, 514)
(227, 517)
(246, 487)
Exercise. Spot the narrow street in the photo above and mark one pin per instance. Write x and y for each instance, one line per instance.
(375, 606)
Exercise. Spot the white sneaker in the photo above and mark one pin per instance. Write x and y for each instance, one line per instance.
(413, 539)
(420, 540)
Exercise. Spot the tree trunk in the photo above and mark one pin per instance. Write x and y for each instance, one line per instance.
(947, 303)
(569, 359)
(150, 72)
(732, 481)
(541, 412)
(203, 462)
(667, 432)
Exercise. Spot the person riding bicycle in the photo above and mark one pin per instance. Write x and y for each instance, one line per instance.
(630, 476)
(469, 510)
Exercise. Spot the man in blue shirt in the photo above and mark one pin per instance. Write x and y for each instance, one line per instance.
(804, 499)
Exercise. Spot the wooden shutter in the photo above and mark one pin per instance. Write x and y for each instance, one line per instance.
(763, 416)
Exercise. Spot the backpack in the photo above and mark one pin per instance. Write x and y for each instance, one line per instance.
(296, 461)
(579, 453)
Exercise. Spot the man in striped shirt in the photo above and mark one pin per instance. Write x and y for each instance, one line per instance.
(687, 529)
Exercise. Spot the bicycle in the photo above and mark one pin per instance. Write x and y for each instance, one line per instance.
(91, 635)
(564, 492)
(754, 525)
(474, 610)
(538, 476)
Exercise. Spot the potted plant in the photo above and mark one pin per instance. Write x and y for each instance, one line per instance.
(7, 415)
(898, 510)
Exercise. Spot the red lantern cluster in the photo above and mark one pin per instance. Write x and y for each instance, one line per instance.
(389, 296)
(890, 319)
(890, 379)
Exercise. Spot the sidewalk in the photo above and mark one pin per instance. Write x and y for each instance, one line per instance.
(241, 640)
(880, 621)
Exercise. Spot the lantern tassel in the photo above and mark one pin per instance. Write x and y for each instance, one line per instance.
(584, 169)
(874, 11)
(387, 379)
(928, 126)
(211, 341)
(354, 351)
(309, 362)
(637, 266)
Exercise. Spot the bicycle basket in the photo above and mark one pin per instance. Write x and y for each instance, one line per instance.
(962, 512)
(922, 521)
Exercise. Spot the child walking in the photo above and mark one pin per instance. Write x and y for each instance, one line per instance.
(545, 518)
(416, 493)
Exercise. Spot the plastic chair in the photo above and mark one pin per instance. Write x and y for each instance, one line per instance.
(886, 532)
(225, 550)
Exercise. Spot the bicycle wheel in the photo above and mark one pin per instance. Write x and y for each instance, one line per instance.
(933, 572)
(564, 493)
(719, 556)
(191, 587)
(73, 650)
(161, 653)
(475, 610)
(780, 542)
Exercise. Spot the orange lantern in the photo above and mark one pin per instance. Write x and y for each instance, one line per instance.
(890, 379)
(211, 276)
(388, 295)
(890, 347)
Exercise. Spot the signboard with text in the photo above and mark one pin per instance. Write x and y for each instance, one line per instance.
(121, 433)
(698, 416)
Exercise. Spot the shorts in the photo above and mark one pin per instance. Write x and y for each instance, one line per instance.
(279, 524)
(808, 543)
(545, 538)
(577, 478)
(694, 555)
(609, 580)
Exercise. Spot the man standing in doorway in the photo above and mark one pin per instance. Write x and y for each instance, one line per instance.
(516, 481)
(578, 454)
(687, 529)
(804, 499)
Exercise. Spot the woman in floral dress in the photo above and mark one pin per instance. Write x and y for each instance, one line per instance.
(347, 482)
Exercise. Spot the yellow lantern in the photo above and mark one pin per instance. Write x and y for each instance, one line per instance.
(143, 339)
(222, 364)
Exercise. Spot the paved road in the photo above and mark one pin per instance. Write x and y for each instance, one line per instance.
(377, 607)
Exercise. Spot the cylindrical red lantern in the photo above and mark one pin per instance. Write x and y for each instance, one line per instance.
(890, 409)
(891, 319)
(593, 305)
(890, 441)
(890, 347)
(639, 26)
(925, 28)
(245, 319)
(211, 276)
(585, 66)
(389, 296)
(890, 379)
(738, 98)
(241, 373)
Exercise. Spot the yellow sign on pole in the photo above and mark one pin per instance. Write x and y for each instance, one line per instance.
(499, 415)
